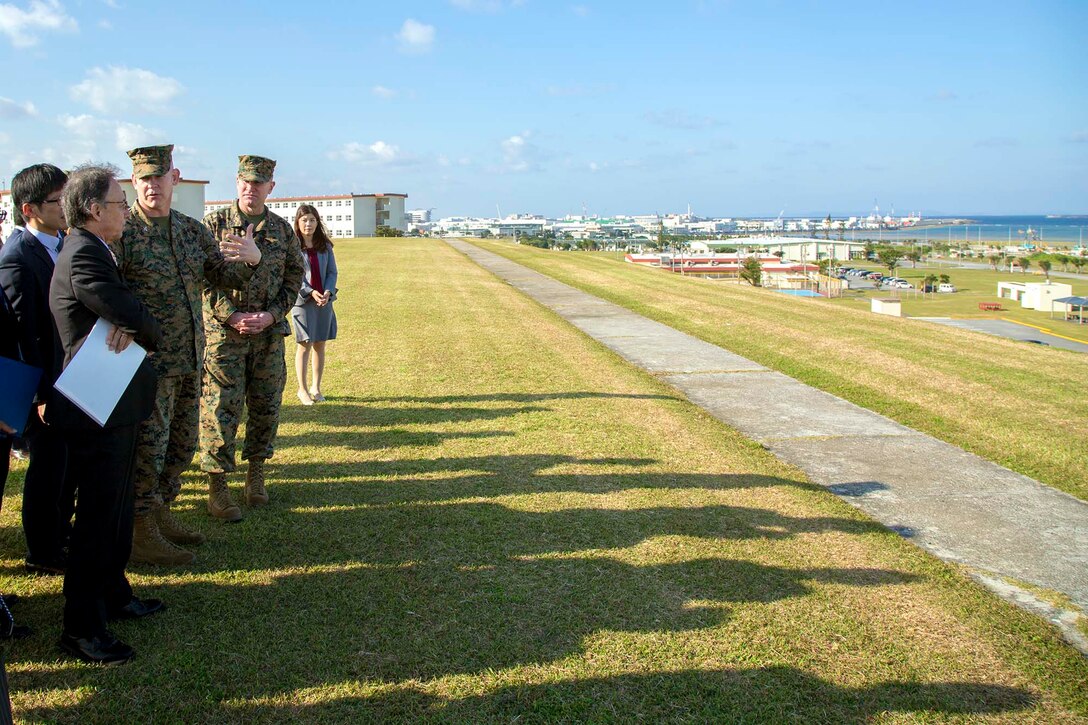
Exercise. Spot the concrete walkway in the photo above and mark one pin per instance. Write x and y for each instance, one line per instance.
(1002, 525)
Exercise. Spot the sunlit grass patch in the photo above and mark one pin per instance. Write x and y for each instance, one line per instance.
(492, 518)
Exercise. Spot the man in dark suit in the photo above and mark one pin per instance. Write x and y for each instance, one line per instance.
(86, 287)
(26, 267)
(9, 348)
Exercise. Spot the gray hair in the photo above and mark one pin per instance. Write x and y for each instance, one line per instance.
(88, 184)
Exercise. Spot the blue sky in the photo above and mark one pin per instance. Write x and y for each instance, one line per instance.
(735, 107)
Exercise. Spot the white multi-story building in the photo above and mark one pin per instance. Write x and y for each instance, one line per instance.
(418, 216)
(345, 215)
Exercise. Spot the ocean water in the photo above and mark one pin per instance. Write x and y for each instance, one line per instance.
(1016, 230)
(993, 229)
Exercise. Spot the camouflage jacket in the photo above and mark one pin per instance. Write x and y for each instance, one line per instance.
(169, 276)
(275, 282)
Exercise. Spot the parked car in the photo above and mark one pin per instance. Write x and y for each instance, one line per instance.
(946, 287)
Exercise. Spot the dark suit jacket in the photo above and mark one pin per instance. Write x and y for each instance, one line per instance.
(25, 272)
(86, 286)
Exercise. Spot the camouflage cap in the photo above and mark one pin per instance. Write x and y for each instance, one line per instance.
(152, 160)
(255, 168)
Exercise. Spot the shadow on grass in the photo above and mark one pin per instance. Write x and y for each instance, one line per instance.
(384, 439)
(395, 624)
(391, 582)
(505, 397)
(758, 695)
(332, 413)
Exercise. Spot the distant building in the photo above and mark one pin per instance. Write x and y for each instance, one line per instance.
(1036, 295)
(7, 211)
(777, 273)
(418, 216)
(344, 215)
(801, 248)
(188, 196)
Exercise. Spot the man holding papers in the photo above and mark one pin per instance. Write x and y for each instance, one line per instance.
(86, 287)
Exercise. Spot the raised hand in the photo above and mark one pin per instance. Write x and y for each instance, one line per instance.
(241, 249)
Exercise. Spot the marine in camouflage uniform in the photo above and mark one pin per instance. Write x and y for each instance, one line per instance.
(246, 368)
(167, 261)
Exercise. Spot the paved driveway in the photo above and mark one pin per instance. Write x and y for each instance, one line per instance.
(1011, 330)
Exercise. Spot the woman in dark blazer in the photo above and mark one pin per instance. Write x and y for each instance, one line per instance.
(312, 315)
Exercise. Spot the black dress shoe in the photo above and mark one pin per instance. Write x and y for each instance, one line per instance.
(48, 567)
(102, 650)
(138, 608)
(10, 600)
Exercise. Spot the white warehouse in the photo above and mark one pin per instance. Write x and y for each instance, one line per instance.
(345, 215)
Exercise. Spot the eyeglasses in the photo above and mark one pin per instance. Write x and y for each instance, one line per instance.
(123, 202)
(48, 201)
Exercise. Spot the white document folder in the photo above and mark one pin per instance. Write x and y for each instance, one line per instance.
(97, 377)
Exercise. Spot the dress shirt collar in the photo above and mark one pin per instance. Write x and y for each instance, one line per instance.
(50, 243)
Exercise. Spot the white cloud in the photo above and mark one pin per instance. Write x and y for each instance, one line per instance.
(22, 26)
(416, 37)
(378, 152)
(118, 135)
(112, 4)
(105, 24)
(14, 109)
(580, 10)
(383, 92)
(519, 154)
(1079, 137)
(119, 89)
(945, 95)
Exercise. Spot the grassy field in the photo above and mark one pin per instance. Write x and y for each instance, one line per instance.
(494, 519)
(1020, 405)
(973, 286)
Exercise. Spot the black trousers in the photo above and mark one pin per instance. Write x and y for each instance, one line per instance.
(48, 495)
(101, 465)
(5, 463)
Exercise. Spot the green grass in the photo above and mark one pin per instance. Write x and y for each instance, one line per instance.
(494, 519)
(973, 286)
(1020, 405)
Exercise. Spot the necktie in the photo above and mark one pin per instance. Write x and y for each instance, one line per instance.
(60, 241)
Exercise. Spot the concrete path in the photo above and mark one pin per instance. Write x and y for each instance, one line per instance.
(998, 523)
(1016, 331)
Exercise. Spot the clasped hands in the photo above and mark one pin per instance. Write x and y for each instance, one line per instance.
(240, 249)
(250, 323)
(321, 298)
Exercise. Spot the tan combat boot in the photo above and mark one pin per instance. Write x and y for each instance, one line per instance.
(220, 504)
(255, 493)
(148, 546)
(172, 530)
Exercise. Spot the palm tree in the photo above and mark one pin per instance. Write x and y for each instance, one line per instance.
(929, 284)
(1044, 264)
(1024, 264)
(993, 259)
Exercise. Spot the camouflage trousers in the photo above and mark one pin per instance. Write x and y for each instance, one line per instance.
(166, 442)
(241, 371)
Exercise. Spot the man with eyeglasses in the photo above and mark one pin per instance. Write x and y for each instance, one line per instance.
(26, 268)
(86, 289)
